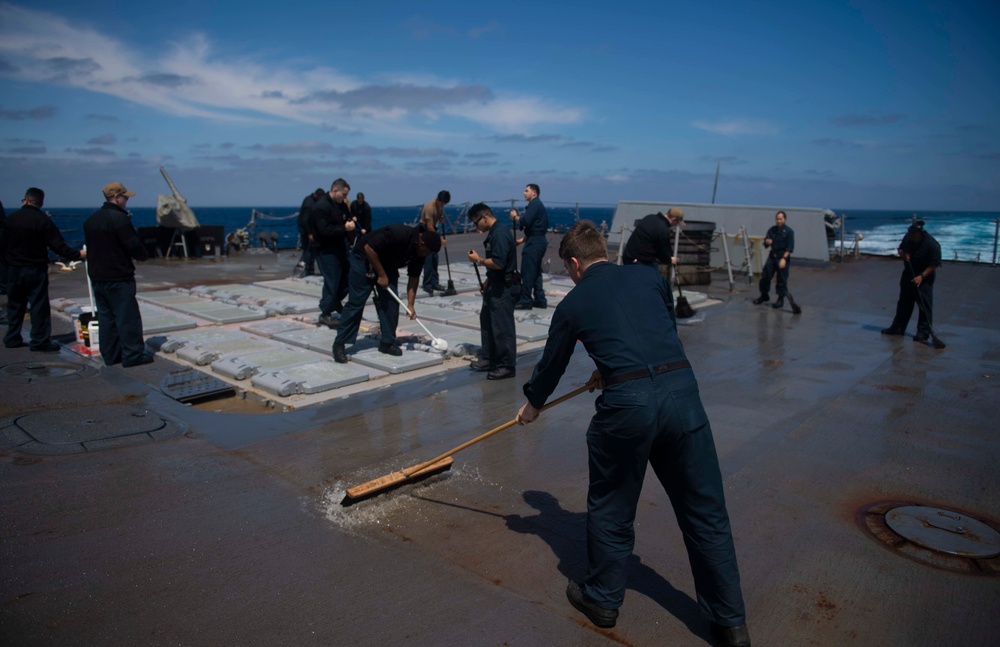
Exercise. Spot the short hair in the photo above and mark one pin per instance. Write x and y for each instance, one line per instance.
(432, 239)
(444, 196)
(340, 183)
(318, 192)
(479, 210)
(35, 195)
(583, 242)
(361, 196)
(782, 213)
(534, 187)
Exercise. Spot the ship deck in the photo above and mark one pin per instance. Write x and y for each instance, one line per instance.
(226, 526)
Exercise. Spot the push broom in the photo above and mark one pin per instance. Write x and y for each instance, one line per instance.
(435, 465)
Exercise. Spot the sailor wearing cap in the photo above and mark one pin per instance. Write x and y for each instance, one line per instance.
(921, 256)
(496, 319)
(651, 242)
(112, 244)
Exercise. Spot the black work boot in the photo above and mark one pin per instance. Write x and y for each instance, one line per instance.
(339, 354)
(604, 618)
(779, 303)
(730, 636)
(761, 299)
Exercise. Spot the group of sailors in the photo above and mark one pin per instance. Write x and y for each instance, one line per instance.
(354, 261)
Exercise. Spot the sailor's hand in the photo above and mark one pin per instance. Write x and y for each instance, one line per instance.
(350, 225)
(527, 414)
(513, 214)
(595, 382)
(918, 279)
(83, 254)
(413, 312)
(767, 242)
(782, 263)
(520, 241)
(383, 281)
(673, 260)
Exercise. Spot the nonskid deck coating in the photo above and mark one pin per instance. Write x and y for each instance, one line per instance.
(232, 527)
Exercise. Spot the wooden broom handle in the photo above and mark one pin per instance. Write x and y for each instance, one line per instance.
(510, 423)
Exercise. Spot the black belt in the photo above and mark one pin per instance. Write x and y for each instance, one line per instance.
(645, 372)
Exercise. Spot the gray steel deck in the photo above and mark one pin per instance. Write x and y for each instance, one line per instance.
(229, 530)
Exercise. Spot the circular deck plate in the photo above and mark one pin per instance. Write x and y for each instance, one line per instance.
(943, 530)
(945, 538)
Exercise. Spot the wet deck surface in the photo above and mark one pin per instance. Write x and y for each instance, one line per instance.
(229, 530)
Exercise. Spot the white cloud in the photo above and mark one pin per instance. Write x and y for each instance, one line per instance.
(190, 79)
(730, 127)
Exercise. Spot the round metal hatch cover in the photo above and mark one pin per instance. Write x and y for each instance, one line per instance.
(943, 530)
(941, 537)
(42, 370)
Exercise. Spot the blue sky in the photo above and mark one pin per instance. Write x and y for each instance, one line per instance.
(881, 105)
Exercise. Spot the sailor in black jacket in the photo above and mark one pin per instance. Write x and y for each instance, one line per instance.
(921, 256)
(375, 263)
(112, 243)
(330, 222)
(28, 236)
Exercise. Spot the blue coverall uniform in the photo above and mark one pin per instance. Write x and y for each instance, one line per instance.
(535, 223)
(782, 240)
(496, 319)
(622, 316)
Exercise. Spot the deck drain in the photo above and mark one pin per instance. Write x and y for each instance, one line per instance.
(42, 370)
(941, 537)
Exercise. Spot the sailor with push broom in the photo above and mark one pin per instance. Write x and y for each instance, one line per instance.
(921, 256)
(651, 413)
(781, 240)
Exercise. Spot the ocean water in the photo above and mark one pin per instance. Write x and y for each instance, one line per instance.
(963, 235)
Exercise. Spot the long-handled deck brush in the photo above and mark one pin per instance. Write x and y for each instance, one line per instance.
(437, 343)
(937, 343)
(435, 465)
(450, 290)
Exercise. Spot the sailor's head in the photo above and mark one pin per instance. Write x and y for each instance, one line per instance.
(34, 197)
(674, 215)
(481, 216)
(780, 218)
(428, 242)
(582, 246)
(444, 197)
(116, 193)
(361, 196)
(531, 192)
(339, 189)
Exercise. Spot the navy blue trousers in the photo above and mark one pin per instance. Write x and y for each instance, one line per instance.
(659, 421)
(431, 279)
(770, 269)
(909, 295)
(532, 253)
(360, 287)
(119, 322)
(28, 284)
(496, 324)
(334, 269)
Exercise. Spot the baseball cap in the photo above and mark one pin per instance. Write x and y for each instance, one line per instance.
(116, 189)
